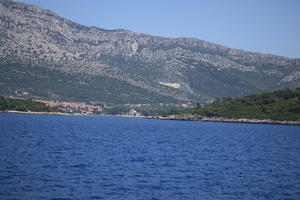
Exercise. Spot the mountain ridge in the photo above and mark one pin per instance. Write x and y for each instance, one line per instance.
(200, 70)
(143, 33)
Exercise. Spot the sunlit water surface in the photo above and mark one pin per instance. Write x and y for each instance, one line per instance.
(79, 157)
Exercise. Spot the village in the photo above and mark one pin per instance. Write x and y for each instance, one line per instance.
(112, 109)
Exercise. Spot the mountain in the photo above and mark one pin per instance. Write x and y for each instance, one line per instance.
(43, 55)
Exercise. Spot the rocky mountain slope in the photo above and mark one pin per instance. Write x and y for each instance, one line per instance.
(44, 55)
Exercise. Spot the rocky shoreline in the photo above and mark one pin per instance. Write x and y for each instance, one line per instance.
(187, 117)
(184, 117)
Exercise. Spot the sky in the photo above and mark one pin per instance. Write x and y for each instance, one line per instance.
(267, 26)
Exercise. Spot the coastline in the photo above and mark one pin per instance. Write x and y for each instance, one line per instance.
(35, 113)
(60, 113)
(185, 117)
(220, 119)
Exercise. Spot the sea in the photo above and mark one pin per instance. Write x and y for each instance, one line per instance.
(56, 157)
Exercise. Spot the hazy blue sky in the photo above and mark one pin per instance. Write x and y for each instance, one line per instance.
(268, 26)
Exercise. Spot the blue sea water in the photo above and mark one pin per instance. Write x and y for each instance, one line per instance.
(56, 157)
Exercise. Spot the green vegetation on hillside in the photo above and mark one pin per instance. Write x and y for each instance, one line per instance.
(277, 105)
(40, 82)
(24, 105)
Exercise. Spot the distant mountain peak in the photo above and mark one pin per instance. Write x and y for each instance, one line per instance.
(36, 41)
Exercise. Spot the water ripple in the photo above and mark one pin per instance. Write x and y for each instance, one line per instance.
(75, 157)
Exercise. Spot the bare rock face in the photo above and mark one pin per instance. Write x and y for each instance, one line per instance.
(36, 37)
